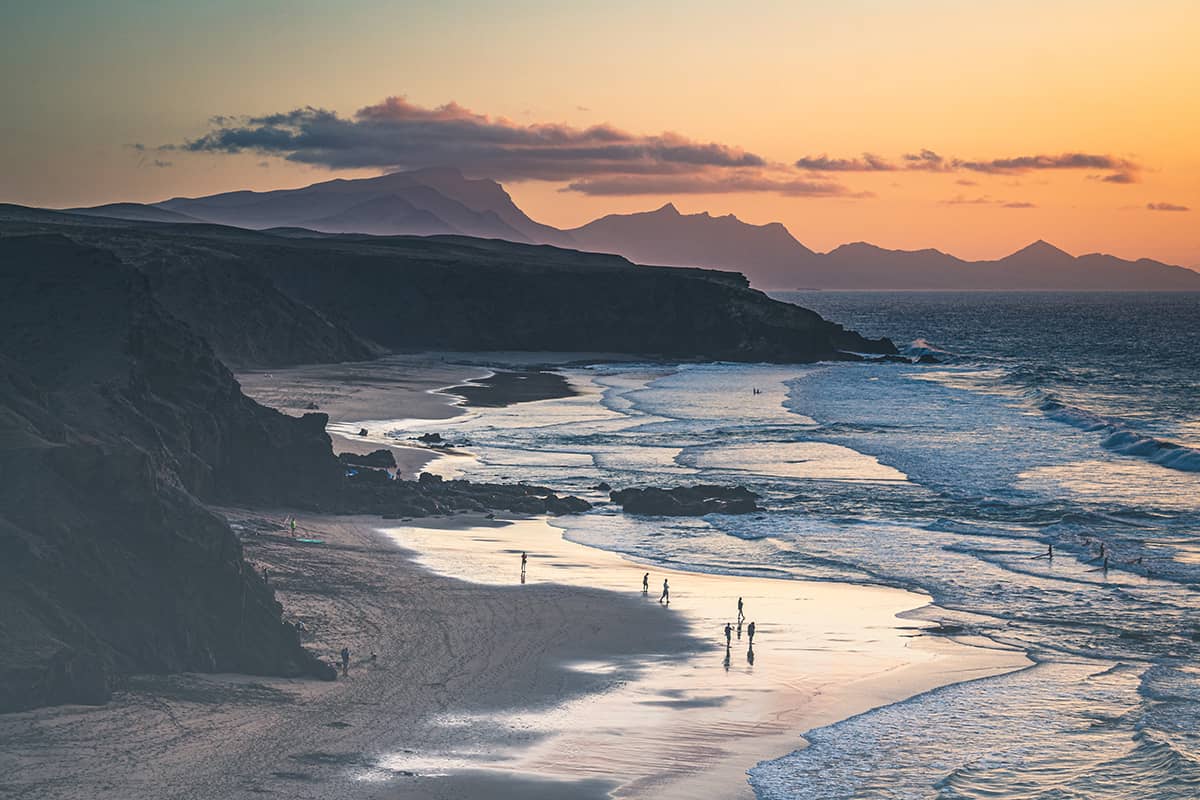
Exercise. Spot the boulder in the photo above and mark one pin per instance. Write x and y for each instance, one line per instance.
(687, 501)
(381, 458)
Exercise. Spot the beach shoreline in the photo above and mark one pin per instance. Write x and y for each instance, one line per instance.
(485, 687)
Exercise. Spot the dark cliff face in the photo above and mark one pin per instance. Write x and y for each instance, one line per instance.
(265, 300)
(114, 419)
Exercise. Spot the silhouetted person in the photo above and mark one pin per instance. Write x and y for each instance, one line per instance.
(741, 616)
(1101, 550)
(345, 661)
(524, 561)
(750, 633)
(293, 524)
(646, 583)
(666, 595)
(728, 634)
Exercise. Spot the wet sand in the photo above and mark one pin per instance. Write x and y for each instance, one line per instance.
(691, 728)
(377, 395)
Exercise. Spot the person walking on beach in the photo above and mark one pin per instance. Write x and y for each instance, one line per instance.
(524, 561)
(666, 595)
(292, 523)
(728, 635)
(741, 616)
(345, 661)
(750, 633)
(646, 583)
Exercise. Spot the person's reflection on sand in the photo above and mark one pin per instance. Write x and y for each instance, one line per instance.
(727, 657)
(750, 655)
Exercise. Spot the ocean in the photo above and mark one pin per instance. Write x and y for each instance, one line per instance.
(1064, 420)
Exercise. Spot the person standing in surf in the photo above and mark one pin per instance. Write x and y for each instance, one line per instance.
(646, 583)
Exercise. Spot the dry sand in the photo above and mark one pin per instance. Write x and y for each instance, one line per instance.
(444, 647)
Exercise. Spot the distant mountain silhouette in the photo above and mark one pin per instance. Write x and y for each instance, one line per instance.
(137, 212)
(773, 259)
(422, 202)
(669, 238)
(442, 201)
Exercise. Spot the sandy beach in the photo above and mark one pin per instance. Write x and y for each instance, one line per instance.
(570, 683)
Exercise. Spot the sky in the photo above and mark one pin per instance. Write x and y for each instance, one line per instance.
(973, 127)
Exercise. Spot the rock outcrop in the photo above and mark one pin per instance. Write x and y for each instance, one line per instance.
(114, 420)
(686, 501)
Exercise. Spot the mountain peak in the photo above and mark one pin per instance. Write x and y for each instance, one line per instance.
(668, 208)
(1041, 249)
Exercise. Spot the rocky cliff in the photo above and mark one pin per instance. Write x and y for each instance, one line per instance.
(114, 419)
(265, 300)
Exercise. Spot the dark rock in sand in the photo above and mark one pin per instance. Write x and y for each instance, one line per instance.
(431, 494)
(431, 438)
(381, 458)
(362, 431)
(602, 486)
(687, 501)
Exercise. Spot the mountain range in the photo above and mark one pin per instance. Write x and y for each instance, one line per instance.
(440, 201)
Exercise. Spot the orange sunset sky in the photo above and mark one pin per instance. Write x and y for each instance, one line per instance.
(1076, 122)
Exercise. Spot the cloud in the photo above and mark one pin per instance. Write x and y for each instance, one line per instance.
(959, 200)
(985, 200)
(1015, 164)
(823, 163)
(397, 134)
(1166, 207)
(1123, 170)
(928, 161)
(710, 184)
